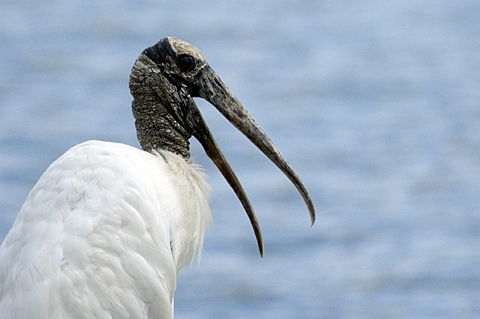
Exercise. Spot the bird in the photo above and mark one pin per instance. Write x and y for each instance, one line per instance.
(107, 228)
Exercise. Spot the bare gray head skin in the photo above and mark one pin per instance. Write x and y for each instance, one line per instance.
(164, 80)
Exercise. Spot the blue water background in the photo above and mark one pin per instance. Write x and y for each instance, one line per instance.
(375, 103)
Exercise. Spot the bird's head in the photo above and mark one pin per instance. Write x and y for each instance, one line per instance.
(164, 80)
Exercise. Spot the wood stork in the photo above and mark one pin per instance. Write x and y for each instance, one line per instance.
(108, 227)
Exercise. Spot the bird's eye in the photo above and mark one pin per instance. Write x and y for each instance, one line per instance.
(186, 63)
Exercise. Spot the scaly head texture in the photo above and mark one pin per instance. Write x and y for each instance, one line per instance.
(161, 84)
(154, 98)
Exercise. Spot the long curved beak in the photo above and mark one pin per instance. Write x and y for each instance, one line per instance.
(211, 88)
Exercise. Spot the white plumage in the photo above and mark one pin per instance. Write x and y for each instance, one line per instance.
(103, 234)
(108, 227)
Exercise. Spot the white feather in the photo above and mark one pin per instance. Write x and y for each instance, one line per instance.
(104, 234)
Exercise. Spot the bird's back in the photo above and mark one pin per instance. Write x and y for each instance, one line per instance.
(103, 234)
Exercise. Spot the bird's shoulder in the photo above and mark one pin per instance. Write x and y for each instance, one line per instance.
(94, 229)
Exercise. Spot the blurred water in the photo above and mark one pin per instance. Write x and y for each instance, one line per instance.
(375, 103)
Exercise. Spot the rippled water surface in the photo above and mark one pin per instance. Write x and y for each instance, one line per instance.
(375, 103)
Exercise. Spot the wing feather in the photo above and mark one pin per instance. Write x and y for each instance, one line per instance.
(94, 237)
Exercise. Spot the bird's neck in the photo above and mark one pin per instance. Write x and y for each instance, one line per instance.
(157, 128)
